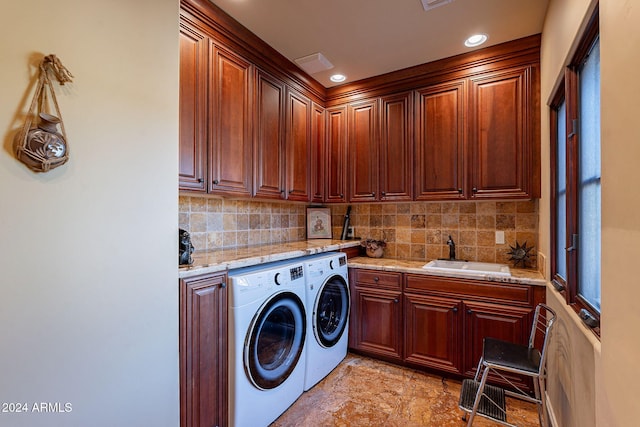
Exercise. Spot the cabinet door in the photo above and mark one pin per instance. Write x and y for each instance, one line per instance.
(396, 147)
(298, 147)
(440, 142)
(497, 321)
(499, 137)
(363, 151)
(336, 181)
(230, 132)
(203, 351)
(268, 171)
(318, 153)
(193, 109)
(432, 335)
(376, 322)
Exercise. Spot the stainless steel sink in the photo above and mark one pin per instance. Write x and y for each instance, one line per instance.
(471, 268)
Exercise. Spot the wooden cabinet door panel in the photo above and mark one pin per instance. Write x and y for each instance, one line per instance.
(336, 180)
(440, 142)
(231, 142)
(203, 351)
(498, 141)
(298, 147)
(376, 322)
(363, 151)
(268, 157)
(193, 109)
(396, 167)
(496, 321)
(318, 153)
(432, 332)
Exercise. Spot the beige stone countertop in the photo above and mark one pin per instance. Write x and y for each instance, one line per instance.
(226, 259)
(518, 275)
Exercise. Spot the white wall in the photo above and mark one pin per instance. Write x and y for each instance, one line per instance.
(602, 378)
(88, 303)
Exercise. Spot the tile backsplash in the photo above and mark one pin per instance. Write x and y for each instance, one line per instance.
(419, 230)
(413, 230)
(222, 223)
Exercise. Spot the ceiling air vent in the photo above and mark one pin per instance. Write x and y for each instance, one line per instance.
(314, 63)
(431, 4)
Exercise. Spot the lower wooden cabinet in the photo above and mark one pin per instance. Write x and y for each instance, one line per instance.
(375, 325)
(203, 351)
(437, 323)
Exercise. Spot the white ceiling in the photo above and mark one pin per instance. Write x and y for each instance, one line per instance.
(365, 38)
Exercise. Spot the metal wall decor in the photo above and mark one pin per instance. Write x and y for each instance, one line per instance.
(520, 254)
(41, 147)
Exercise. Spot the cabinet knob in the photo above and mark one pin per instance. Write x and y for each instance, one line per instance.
(200, 180)
(395, 300)
(383, 193)
(373, 194)
(223, 285)
(459, 190)
(375, 279)
(341, 195)
(469, 311)
(474, 189)
(290, 191)
(455, 309)
(215, 182)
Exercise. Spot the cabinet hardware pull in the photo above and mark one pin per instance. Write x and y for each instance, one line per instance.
(395, 300)
(383, 193)
(200, 180)
(459, 190)
(474, 189)
(373, 194)
(455, 309)
(290, 191)
(223, 285)
(215, 182)
(469, 312)
(341, 195)
(375, 279)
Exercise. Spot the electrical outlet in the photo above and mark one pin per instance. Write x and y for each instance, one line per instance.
(499, 237)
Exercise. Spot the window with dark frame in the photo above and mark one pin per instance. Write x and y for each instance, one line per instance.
(575, 180)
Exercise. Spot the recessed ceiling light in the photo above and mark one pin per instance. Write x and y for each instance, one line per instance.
(337, 78)
(475, 40)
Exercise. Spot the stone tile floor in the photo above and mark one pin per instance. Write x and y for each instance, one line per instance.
(366, 392)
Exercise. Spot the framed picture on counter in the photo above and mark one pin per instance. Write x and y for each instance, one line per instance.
(318, 223)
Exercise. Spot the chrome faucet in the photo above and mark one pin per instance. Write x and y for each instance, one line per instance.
(452, 248)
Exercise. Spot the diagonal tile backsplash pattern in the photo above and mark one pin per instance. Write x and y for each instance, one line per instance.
(415, 230)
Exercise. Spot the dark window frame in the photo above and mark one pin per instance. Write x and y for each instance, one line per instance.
(568, 92)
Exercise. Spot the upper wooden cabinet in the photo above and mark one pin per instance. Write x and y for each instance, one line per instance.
(362, 144)
(440, 112)
(298, 147)
(318, 153)
(396, 147)
(193, 108)
(503, 129)
(269, 131)
(230, 123)
(336, 162)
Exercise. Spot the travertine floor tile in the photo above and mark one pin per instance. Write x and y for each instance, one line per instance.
(363, 392)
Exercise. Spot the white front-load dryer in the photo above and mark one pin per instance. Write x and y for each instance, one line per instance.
(328, 303)
(267, 332)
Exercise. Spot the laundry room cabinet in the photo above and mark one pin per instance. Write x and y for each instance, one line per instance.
(203, 350)
(437, 323)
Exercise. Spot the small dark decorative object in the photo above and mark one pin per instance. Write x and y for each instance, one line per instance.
(520, 254)
(374, 248)
(186, 248)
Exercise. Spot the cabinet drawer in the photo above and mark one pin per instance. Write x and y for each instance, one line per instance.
(470, 289)
(378, 278)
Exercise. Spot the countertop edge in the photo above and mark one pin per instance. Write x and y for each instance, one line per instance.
(519, 276)
(268, 253)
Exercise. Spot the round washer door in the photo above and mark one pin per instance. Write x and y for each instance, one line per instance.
(275, 341)
(331, 311)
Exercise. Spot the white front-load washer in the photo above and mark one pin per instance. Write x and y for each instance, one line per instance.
(267, 332)
(328, 303)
